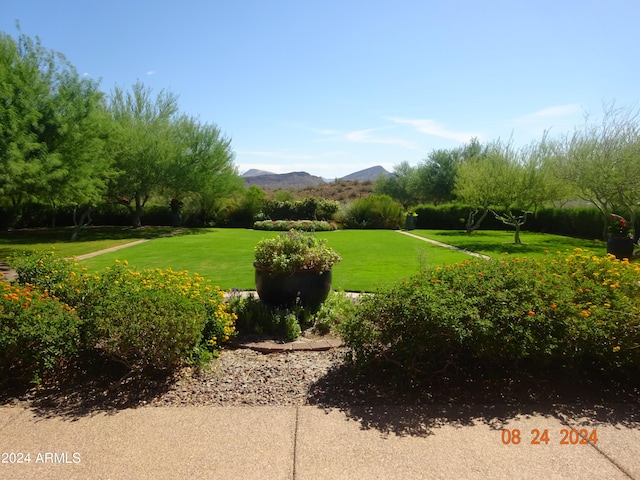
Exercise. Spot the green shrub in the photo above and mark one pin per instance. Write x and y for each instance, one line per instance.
(286, 225)
(157, 319)
(308, 209)
(256, 317)
(563, 311)
(333, 311)
(295, 251)
(374, 211)
(38, 333)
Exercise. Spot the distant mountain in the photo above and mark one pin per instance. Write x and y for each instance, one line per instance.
(255, 172)
(368, 174)
(297, 180)
(285, 181)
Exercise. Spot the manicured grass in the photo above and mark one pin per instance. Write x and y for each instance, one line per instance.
(495, 243)
(371, 258)
(91, 239)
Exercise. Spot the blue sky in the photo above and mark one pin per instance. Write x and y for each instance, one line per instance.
(334, 86)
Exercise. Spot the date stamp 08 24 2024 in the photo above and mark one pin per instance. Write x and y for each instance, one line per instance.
(541, 437)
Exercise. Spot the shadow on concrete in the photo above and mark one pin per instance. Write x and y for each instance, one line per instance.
(381, 399)
(97, 385)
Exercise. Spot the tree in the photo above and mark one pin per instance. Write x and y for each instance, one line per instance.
(143, 145)
(204, 168)
(507, 178)
(53, 129)
(398, 185)
(434, 179)
(602, 161)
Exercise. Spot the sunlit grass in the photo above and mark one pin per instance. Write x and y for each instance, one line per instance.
(496, 242)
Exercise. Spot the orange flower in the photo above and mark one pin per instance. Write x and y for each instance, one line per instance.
(531, 313)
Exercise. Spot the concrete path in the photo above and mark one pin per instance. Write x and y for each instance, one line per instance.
(300, 443)
(444, 245)
(111, 249)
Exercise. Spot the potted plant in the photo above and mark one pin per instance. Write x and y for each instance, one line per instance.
(620, 242)
(294, 266)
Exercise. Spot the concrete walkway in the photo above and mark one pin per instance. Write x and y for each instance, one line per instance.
(444, 245)
(300, 443)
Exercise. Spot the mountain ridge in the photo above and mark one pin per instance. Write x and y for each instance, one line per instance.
(294, 180)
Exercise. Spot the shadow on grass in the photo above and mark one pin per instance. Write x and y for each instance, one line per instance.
(380, 398)
(493, 246)
(52, 236)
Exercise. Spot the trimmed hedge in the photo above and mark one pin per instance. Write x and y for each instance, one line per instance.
(584, 222)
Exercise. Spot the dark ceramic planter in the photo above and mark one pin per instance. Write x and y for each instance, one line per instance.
(621, 247)
(282, 290)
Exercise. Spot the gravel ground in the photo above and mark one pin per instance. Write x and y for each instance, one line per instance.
(246, 377)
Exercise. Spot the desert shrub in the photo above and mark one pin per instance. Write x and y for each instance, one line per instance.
(286, 225)
(560, 310)
(156, 319)
(38, 333)
(374, 211)
(256, 317)
(310, 208)
(333, 311)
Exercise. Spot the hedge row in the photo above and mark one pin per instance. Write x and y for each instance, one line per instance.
(582, 222)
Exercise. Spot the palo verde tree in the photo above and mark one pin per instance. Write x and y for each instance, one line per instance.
(507, 178)
(53, 129)
(203, 169)
(142, 145)
(158, 151)
(601, 160)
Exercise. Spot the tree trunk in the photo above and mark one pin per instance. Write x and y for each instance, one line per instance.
(472, 224)
(85, 219)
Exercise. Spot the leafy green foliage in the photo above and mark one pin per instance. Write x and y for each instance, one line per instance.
(286, 225)
(153, 319)
(374, 211)
(256, 317)
(38, 333)
(561, 311)
(295, 251)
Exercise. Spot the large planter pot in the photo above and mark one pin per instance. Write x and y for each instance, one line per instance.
(621, 247)
(282, 289)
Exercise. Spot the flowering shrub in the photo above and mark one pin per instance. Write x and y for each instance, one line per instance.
(619, 227)
(295, 251)
(151, 319)
(286, 225)
(563, 310)
(157, 318)
(38, 333)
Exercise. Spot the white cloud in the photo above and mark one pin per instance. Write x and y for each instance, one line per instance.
(431, 127)
(286, 155)
(369, 136)
(553, 112)
(151, 72)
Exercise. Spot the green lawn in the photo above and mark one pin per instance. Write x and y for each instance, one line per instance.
(495, 242)
(371, 258)
(91, 239)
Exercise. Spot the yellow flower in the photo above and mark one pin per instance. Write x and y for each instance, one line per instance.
(616, 348)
